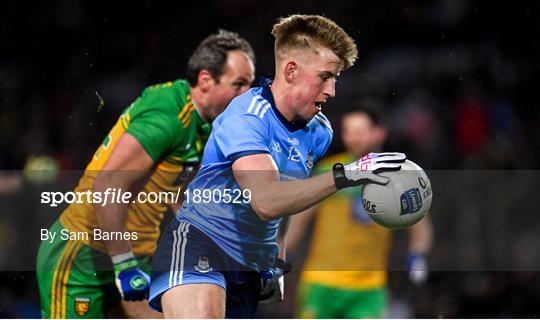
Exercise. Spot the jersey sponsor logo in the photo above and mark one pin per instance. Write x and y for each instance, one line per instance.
(82, 306)
(203, 265)
(293, 141)
(276, 147)
(410, 201)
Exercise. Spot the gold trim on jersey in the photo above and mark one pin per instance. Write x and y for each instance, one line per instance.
(126, 119)
(60, 279)
(185, 115)
(104, 151)
(185, 111)
(188, 122)
(169, 167)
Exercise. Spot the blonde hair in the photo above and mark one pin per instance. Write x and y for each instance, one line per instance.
(307, 31)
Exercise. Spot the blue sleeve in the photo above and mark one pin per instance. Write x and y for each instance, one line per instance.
(241, 135)
(324, 144)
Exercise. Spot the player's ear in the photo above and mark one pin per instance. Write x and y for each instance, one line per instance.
(205, 80)
(290, 70)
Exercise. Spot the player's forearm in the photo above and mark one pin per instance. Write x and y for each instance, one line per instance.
(281, 199)
(112, 216)
(113, 219)
(421, 237)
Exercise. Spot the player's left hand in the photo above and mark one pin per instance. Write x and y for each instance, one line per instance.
(417, 268)
(132, 283)
(273, 283)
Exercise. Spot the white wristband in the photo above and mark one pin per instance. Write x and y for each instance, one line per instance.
(118, 258)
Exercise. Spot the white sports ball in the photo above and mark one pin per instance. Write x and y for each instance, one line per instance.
(404, 201)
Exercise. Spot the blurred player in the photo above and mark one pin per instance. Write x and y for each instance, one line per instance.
(155, 145)
(345, 270)
(219, 256)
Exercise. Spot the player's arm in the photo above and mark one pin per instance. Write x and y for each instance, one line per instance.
(421, 236)
(272, 199)
(126, 165)
(420, 242)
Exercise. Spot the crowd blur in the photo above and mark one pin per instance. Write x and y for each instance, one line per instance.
(455, 82)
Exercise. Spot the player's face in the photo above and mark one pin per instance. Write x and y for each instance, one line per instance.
(315, 81)
(359, 134)
(238, 74)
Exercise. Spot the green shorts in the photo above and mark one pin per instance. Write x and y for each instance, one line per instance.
(319, 301)
(76, 281)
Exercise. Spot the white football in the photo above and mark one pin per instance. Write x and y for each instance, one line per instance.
(404, 201)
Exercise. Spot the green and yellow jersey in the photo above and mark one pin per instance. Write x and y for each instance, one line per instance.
(348, 250)
(164, 121)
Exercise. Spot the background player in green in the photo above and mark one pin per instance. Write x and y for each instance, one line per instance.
(154, 147)
(345, 271)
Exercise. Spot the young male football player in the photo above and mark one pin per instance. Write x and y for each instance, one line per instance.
(156, 143)
(218, 257)
(344, 275)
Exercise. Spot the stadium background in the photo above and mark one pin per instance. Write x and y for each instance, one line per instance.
(457, 81)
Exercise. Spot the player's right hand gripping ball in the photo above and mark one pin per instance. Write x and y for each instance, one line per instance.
(366, 169)
(131, 281)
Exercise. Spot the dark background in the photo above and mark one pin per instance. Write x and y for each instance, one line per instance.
(457, 82)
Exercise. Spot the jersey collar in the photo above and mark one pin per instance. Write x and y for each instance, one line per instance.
(267, 94)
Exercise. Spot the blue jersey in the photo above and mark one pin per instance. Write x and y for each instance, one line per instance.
(251, 124)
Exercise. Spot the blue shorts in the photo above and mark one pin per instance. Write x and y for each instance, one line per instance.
(185, 255)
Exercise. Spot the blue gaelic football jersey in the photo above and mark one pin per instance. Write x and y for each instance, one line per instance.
(251, 124)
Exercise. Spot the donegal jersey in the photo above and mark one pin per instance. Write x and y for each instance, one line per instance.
(348, 250)
(251, 124)
(164, 121)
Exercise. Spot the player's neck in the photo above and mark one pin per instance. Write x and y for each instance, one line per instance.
(282, 102)
(198, 100)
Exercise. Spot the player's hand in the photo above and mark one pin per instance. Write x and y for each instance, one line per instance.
(366, 169)
(131, 281)
(273, 283)
(417, 268)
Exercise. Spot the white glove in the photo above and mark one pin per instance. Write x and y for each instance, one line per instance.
(365, 170)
